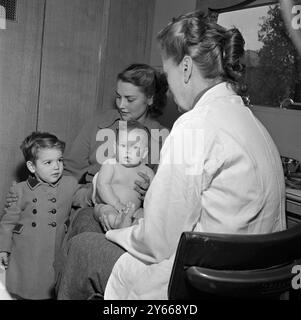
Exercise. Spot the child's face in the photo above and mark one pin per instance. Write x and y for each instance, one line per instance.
(49, 165)
(132, 147)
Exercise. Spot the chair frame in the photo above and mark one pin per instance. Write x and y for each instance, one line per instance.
(210, 265)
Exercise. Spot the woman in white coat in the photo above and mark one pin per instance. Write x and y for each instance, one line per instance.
(219, 171)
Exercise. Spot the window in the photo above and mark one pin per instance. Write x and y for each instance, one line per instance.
(273, 65)
(9, 8)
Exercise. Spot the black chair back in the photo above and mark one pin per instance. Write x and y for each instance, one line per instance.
(209, 265)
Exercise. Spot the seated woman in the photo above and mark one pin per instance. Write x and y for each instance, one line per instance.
(219, 171)
(141, 96)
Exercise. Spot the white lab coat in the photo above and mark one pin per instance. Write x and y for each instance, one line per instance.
(219, 172)
(4, 295)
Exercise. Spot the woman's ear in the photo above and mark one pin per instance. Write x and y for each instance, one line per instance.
(150, 101)
(187, 68)
(31, 167)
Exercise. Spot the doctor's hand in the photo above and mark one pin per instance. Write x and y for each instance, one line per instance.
(142, 186)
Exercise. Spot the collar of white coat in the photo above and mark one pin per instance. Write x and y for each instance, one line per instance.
(220, 90)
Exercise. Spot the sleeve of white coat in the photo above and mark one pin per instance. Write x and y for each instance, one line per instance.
(4, 295)
(172, 203)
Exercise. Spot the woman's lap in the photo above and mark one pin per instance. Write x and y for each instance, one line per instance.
(84, 221)
(89, 263)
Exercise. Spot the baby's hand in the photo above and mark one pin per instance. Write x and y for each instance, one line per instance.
(3, 260)
(129, 212)
(130, 207)
(120, 207)
(125, 217)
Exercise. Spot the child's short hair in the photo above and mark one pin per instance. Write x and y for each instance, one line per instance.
(40, 140)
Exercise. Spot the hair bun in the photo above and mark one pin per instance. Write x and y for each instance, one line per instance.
(233, 52)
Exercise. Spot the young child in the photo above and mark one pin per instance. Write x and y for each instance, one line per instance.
(32, 229)
(114, 183)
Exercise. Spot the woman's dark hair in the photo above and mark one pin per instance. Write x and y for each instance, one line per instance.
(152, 83)
(37, 141)
(215, 50)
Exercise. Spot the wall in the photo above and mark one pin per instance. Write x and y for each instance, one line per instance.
(70, 65)
(129, 31)
(284, 127)
(20, 57)
(165, 10)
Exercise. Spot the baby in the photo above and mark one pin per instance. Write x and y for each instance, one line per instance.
(114, 184)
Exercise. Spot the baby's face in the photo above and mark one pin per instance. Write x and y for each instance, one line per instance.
(132, 147)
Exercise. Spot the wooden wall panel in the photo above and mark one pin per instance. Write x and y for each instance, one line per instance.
(70, 65)
(129, 40)
(20, 50)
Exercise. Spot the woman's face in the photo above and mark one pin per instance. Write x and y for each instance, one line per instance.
(131, 102)
(174, 75)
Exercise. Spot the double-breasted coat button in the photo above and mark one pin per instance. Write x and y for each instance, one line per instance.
(34, 224)
(34, 200)
(52, 224)
(34, 211)
(53, 211)
(53, 200)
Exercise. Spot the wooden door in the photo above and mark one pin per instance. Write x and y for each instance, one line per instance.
(70, 65)
(129, 33)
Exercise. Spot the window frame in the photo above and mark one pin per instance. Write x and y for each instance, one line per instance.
(214, 8)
